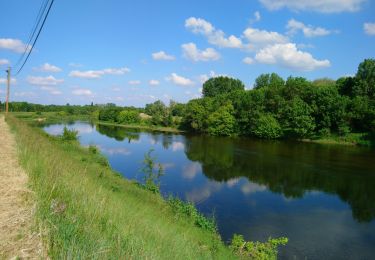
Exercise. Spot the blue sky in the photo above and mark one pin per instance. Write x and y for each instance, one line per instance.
(135, 52)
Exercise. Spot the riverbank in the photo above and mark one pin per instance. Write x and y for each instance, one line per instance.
(19, 236)
(88, 210)
(351, 139)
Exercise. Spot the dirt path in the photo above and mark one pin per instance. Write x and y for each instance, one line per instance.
(17, 239)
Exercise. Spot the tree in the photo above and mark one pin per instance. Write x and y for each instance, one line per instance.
(160, 113)
(221, 85)
(128, 117)
(267, 127)
(269, 80)
(222, 121)
(366, 78)
(297, 119)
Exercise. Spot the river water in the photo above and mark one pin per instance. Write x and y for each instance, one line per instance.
(322, 197)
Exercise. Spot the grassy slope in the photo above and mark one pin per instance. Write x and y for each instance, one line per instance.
(88, 211)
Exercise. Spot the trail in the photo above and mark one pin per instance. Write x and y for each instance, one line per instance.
(17, 237)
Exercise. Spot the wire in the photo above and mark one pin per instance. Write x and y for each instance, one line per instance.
(38, 19)
(37, 36)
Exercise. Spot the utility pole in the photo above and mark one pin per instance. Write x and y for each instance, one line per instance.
(8, 86)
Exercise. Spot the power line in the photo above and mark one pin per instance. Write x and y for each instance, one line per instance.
(38, 19)
(37, 36)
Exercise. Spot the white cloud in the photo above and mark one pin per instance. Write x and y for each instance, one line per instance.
(13, 45)
(259, 38)
(179, 80)
(204, 77)
(308, 30)
(4, 62)
(161, 55)
(95, 74)
(25, 94)
(44, 81)
(191, 52)
(369, 28)
(248, 60)
(154, 82)
(256, 17)
(214, 36)
(287, 55)
(75, 65)
(51, 90)
(46, 67)
(323, 6)
(134, 82)
(82, 92)
(4, 81)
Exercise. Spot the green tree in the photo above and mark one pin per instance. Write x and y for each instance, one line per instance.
(269, 80)
(221, 85)
(267, 127)
(222, 121)
(128, 117)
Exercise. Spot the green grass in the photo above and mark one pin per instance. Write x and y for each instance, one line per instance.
(360, 139)
(86, 210)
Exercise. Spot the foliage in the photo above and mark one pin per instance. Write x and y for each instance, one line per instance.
(188, 209)
(160, 113)
(257, 250)
(69, 135)
(151, 176)
(128, 117)
(267, 127)
(221, 85)
(222, 121)
(86, 210)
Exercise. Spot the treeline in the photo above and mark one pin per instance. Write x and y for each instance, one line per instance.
(294, 107)
(274, 108)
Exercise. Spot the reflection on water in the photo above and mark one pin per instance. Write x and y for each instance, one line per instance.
(321, 197)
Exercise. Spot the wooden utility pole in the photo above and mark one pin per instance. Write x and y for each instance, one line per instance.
(8, 86)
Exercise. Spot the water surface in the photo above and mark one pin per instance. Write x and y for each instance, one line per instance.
(322, 197)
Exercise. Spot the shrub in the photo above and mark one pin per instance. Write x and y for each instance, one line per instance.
(151, 178)
(266, 126)
(257, 250)
(128, 117)
(188, 209)
(69, 135)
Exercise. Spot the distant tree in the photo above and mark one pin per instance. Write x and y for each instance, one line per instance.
(160, 113)
(128, 117)
(221, 85)
(366, 78)
(269, 80)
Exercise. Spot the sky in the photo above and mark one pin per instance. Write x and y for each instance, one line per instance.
(135, 52)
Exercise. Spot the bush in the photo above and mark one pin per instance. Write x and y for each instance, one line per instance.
(266, 126)
(188, 209)
(69, 135)
(128, 117)
(151, 179)
(257, 250)
(222, 122)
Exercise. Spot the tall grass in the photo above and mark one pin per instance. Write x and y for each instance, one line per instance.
(88, 211)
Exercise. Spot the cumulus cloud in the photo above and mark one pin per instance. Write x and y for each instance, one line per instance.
(191, 52)
(287, 55)
(82, 92)
(294, 26)
(179, 80)
(204, 77)
(161, 55)
(213, 35)
(323, 6)
(95, 74)
(259, 38)
(248, 60)
(46, 67)
(369, 28)
(256, 17)
(134, 82)
(154, 82)
(14, 45)
(4, 62)
(44, 81)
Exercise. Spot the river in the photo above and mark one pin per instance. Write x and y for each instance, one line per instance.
(322, 197)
